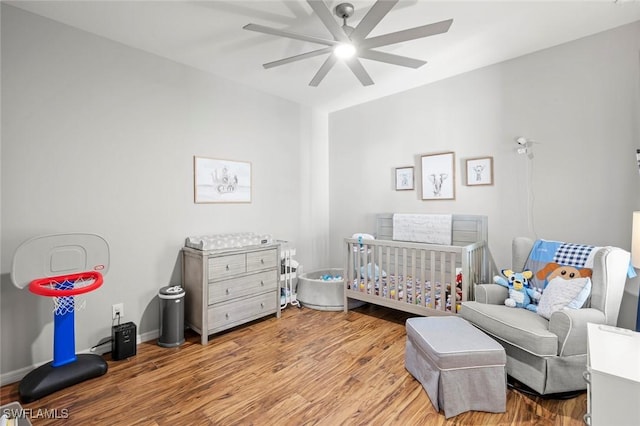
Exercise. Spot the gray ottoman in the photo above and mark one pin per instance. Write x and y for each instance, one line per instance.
(459, 366)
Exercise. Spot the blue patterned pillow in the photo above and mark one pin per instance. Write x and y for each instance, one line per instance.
(547, 252)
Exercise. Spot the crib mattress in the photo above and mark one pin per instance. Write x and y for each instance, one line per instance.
(226, 241)
(389, 285)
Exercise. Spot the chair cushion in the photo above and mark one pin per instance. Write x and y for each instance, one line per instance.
(519, 327)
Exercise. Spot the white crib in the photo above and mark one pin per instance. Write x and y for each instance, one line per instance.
(424, 279)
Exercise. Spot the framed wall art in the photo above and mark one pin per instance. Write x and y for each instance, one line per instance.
(438, 176)
(480, 171)
(404, 178)
(221, 181)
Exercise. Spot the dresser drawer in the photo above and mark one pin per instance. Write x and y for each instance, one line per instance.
(226, 266)
(224, 315)
(222, 291)
(259, 260)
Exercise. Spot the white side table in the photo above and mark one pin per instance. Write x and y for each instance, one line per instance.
(613, 376)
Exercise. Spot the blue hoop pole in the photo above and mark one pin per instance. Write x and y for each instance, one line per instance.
(64, 350)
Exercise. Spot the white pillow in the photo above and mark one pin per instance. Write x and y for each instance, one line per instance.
(561, 293)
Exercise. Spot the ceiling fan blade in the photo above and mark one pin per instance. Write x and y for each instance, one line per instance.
(322, 72)
(373, 17)
(323, 12)
(390, 58)
(288, 34)
(357, 68)
(297, 57)
(406, 35)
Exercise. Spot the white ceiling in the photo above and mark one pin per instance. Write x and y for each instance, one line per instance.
(208, 35)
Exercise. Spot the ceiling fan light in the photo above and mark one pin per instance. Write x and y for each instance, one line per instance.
(344, 50)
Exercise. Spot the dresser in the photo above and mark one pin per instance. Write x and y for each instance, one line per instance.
(613, 376)
(226, 288)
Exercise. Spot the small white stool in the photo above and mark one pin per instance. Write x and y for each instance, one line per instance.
(460, 367)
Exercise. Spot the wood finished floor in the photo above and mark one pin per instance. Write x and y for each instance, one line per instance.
(307, 368)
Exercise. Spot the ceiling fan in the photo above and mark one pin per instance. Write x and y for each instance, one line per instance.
(350, 43)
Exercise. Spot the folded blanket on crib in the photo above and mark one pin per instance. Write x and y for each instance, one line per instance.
(423, 228)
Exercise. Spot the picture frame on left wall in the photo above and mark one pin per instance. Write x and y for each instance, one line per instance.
(221, 181)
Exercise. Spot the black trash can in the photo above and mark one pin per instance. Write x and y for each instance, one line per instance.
(171, 316)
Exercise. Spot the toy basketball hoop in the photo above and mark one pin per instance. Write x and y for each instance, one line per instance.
(61, 266)
(67, 285)
(65, 289)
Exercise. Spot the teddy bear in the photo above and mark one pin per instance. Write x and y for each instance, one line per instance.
(521, 295)
(553, 270)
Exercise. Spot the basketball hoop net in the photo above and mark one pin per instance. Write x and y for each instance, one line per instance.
(65, 304)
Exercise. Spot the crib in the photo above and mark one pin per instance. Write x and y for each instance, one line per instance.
(420, 278)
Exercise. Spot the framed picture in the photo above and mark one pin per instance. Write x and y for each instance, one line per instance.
(404, 178)
(221, 181)
(438, 176)
(480, 171)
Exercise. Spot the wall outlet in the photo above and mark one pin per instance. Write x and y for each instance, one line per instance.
(117, 311)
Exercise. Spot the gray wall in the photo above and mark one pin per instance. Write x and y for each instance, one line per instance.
(98, 137)
(580, 101)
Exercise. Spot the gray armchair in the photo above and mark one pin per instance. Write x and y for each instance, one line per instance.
(549, 356)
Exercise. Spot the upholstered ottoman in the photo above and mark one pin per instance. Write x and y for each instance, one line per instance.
(459, 366)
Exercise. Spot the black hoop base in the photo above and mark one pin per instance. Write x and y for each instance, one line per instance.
(47, 379)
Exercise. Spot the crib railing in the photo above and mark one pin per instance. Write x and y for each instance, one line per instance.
(413, 276)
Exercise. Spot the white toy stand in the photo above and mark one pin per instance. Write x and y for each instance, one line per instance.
(61, 266)
(288, 273)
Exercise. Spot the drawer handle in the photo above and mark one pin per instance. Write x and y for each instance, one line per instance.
(226, 315)
(586, 376)
(262, 283)
(227, 267)
(228, 291)
(262, 304)
(262, 261)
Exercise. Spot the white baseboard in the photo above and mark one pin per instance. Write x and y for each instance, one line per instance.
(17, 375)
(149, 335)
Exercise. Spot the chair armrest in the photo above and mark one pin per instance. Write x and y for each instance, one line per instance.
(570, 325)
(492, 294)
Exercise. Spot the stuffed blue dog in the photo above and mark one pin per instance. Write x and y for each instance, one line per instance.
(521, 295)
